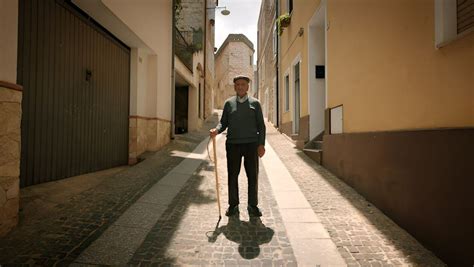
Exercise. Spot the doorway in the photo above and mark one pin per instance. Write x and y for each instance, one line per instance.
(296, 98)
(181, 110)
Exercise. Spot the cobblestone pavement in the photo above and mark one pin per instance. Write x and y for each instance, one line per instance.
(186, 233)
(59, 238)
(363, 235)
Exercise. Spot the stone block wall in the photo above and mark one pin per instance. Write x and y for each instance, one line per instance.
(191, 16)
(10, 146)
(132, 140)
(146, 134)
(142, 135)
(163, 136)
(233, 59)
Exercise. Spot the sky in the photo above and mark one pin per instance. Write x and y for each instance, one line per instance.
(243, 19)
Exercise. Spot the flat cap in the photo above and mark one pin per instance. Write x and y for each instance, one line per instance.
(241, 77)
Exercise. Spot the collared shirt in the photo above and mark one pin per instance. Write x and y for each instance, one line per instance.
(242, 99)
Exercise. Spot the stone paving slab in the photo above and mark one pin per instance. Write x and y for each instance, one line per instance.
(160, 195)
(292, 199)
(299, 215)
(141, 215)
(116, 243)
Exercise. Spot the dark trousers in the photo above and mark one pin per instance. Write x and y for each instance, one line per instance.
(235, 152)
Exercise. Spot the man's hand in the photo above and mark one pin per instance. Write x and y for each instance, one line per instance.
(261, 150)
(213, 132)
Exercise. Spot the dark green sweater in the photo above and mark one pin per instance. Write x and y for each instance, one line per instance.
(244, 120)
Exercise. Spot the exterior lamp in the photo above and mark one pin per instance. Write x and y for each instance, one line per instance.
(224, 12)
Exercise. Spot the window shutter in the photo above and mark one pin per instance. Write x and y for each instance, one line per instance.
(465, 15)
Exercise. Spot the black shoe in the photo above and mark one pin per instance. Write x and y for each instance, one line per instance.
(254, 211)
(232, 210)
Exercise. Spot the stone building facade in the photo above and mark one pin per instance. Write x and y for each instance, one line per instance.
(10, 143)
(11, 95)
(234, 57)
(194, 67)
(267, 58)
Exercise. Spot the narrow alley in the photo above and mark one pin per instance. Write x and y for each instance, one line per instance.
(164, 211)
(355, 120)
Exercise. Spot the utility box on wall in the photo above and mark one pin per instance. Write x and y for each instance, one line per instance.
(320, 73)
(336, 117)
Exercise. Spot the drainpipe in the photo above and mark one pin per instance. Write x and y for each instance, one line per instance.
(173, 37)
(205, 56)
(277, 69)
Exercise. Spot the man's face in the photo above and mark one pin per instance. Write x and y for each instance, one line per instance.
(241, 87)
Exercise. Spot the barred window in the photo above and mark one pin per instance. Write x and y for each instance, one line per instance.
(287, 93)
(453, 20)
(465, 15)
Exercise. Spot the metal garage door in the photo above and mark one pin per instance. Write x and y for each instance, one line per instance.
(75, 78)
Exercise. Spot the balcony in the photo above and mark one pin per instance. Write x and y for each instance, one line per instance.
(183, 48)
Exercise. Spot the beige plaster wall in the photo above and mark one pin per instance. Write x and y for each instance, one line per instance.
(267, 60)
(10, 145)
(293, 46)
(384, 68)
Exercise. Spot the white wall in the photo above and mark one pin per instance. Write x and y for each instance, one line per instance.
(152, 87)
(145, 25)
(134, 81)
(8, 40)
(194, 121)
(142, 82)
(317, 87)
(151, 21)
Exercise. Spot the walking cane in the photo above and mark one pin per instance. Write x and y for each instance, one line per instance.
(217, 178)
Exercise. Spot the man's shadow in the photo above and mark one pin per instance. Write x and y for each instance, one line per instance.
(249, 235)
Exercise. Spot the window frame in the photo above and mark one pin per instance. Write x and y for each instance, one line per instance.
(446, 30)
(287, 90)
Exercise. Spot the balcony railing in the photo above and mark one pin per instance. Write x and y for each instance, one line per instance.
(183, 48)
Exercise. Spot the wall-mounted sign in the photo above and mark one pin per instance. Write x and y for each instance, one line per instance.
(320, 72)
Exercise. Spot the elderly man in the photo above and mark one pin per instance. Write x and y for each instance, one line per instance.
(243, 117)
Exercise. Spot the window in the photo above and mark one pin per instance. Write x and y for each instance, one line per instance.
(289, 6)
(297, 79)
(453, 20)
(465, 15)
(296, 100)
(287, 92)
(250, 60)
